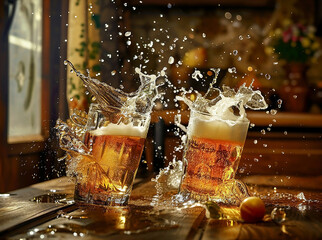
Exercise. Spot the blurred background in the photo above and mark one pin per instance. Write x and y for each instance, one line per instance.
(275, 45)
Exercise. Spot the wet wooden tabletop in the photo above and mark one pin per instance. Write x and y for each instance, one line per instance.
(25, 214)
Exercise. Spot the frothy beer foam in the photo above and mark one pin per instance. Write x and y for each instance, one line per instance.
(204, 126)
(122, 130)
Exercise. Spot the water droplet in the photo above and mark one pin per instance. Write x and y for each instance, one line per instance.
(273, 111)
(301, 196)
(267, 76)
(204, 35)
(240, 37)
(127, 34)
(256, 160)
(235, 52)
(263, 131)
(279, 102)
(278, 215)
(232, 70)
(171, 60)
(228, 15)
(113, 72)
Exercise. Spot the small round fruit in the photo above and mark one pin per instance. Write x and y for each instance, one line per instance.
(252, 209)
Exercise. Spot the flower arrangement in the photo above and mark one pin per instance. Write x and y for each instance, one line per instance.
(294, 42)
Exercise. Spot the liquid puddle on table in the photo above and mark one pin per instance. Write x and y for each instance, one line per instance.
(90, 220)
(50, 198)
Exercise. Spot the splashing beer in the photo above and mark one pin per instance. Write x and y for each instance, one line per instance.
(105, 146)
(216, 135)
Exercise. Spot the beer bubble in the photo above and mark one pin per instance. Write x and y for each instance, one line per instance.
(263, 131)
(255, 141)
(285, 133)
(127, 34)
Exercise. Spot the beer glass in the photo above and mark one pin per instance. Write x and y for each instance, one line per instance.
(116, 144)
(212, 154)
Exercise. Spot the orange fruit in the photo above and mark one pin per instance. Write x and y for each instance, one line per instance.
(252, 209)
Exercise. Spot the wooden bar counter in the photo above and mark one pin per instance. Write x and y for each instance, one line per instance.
(46, 210)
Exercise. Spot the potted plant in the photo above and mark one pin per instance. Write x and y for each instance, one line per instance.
(295, 46)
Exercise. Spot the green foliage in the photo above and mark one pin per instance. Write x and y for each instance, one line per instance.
(289, 53)
(96, 19)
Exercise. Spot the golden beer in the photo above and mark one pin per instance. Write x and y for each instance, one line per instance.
(108, 177)
(210, 162)
(212, 154)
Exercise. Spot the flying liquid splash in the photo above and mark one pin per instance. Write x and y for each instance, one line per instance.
(226, 104)
(111, 100)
